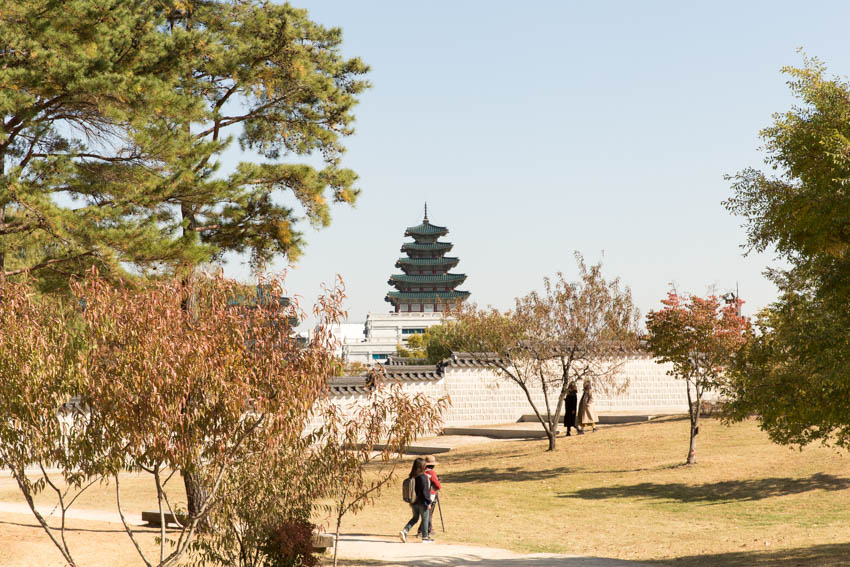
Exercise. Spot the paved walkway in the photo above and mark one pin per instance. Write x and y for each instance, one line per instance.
(386, 553)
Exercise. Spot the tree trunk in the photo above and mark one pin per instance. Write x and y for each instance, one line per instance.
(336, 537)
(196, 492)
(550, 433)
(2, 220)
(2, 244)
(692, 458)
(196, 495)
(693, 415)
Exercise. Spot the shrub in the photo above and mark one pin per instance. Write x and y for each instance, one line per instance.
(290, 544)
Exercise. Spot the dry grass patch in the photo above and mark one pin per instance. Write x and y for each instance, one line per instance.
(138, 493)
(24, 544)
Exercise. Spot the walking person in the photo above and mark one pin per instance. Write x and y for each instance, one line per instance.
(586, 409)
(430, 463)
(570, 407)
(422, 502)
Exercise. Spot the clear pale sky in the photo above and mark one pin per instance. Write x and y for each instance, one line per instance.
(534, 129)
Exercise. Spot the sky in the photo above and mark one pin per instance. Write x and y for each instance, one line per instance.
(537, 129)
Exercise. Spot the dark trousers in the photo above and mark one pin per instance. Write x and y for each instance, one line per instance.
(431, 514)
(419, 510)
(570, 422)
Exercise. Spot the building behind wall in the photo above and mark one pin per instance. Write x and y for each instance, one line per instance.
(423, 292)
(383, 332)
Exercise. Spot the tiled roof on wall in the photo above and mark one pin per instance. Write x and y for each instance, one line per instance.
(357, 385)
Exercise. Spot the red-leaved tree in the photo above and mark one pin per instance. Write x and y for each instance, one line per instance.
(698, 336)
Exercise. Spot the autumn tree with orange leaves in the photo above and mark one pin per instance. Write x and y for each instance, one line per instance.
(222, 390)
(698, 336)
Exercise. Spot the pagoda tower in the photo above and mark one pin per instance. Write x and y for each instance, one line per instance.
(426, 286)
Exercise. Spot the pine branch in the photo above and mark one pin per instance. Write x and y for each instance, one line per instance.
(46, 263)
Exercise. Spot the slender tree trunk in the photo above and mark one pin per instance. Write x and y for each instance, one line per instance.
(336, 537)
(2, 220)
(550, 433)
(2, 244)
(693, 416)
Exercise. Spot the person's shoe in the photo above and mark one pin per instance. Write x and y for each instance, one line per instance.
(427, 540)
(580, 432)
(402, 536)
(594, 430)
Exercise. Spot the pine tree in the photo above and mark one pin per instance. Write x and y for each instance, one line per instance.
(116, 114)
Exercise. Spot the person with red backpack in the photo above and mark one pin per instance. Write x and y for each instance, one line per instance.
(416, 490)
(430, 463)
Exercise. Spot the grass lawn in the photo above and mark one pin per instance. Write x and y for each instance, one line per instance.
(622, 493)
(618, 493)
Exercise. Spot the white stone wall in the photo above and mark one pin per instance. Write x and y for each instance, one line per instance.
(649, 389)
(350, 402)
(479, 396)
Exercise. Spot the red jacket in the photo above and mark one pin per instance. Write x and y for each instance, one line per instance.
(435, 482)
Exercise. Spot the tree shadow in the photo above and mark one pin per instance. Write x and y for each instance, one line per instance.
(513, 474)
(121, 530)
(737, 490)
(831, 555)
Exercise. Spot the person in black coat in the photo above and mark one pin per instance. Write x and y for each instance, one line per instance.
(571, 403)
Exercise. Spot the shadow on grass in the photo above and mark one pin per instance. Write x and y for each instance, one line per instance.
(37, 526)
(833, 555)
(513, 474)
(738, 490)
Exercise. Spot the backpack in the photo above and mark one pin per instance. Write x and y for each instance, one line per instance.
(408, 490)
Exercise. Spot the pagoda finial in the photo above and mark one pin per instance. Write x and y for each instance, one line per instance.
(426, 212)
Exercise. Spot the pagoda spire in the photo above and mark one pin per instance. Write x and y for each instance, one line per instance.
(425, 219)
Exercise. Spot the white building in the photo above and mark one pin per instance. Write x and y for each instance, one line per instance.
(383, 333)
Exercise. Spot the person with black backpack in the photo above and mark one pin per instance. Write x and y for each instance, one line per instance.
(416, 490)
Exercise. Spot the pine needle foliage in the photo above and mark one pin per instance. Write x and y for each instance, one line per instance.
(115, 116)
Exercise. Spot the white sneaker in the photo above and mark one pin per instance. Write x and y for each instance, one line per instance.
(403, 536)
(428, 540)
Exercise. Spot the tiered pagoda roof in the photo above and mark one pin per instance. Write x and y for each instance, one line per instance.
(426, 284)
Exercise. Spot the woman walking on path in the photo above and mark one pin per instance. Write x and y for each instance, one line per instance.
(586, 409)
(421, 503)
(570, 408)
